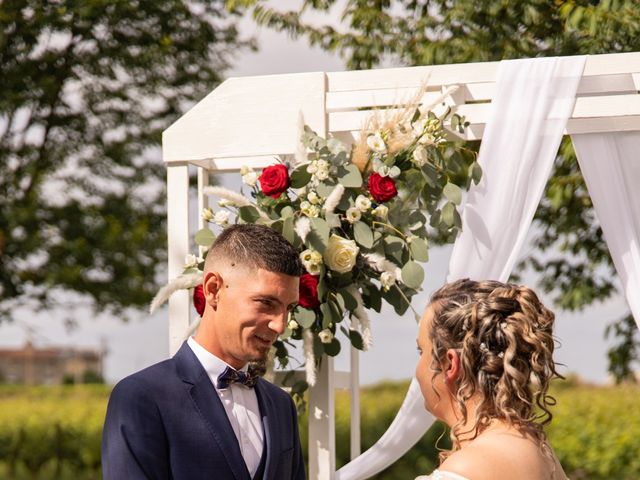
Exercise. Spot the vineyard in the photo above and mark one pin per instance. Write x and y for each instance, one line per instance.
(54, 432)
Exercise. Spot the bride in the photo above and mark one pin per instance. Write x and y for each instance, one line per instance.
(486, 360)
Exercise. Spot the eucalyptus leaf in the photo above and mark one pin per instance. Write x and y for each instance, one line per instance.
(352, 178)
(419, 249)
(287, 230)
(305, 317)
(205, 237)
(328, 315)
(324, 190)
(332, 348)
(248, 213)
(448, 214)
(319, 235)
(475, 172)
(287, 211)
(363, 234)
(356, 339)
(333, 220)
(300, 177)
(412, 274)
(453, 193)
(350, 302)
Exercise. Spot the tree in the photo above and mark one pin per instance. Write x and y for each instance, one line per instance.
(87, 88)
(570, 255)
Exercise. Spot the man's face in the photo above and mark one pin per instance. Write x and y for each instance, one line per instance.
(251, 311)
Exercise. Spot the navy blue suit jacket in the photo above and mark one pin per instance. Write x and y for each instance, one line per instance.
(167, 422)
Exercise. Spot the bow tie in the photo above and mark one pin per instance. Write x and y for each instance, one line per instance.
(230, 376)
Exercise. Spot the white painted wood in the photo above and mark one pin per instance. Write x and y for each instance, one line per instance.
(355, 442)
(247, 116)
(178, 247)
(322, 430)
(203, 201)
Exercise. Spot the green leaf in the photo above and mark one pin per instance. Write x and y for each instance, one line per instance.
(453, 193)
(350, 303)
(356, 339)
(333, 220)
(324, 190)
(333, 348)
(328, 315)
(319, 235)
(351, 179)
(287, 230)
(305, 317)
(249, 213)
(412, 275)
(475, 172)
(300, 177)
(287, 211)
(448, 215)
(205, 237)
(419, 249)
(394, 247)
(363, 234)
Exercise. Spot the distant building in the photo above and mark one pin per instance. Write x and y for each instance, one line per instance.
(49, 366)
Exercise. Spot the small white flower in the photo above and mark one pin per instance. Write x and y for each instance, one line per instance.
(313, 197)
(353, 215)
(313, 268)
(223, 202)
(221, 217)
(419, 157)
(381, 211)
(322, 174)
(387, 280)
(325, 336)
(312, 167)
(376, 143)
(190, 261)
(322, 164)
(427, 139)
(316, 257)
(363, 203)
(250, 179)
(309, 210)
(207, 214)
(306, 255)
(244, 170)
(293, 325)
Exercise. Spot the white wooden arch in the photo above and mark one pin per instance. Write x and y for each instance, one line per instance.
(249, 120)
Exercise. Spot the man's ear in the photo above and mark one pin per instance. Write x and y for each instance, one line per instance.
(212, 285)
(452, 371)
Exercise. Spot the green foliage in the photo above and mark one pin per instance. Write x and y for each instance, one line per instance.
(88, 87)
(569, 253)
(55, 432)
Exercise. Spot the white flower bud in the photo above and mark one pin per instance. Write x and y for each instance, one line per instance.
(376, 143)
(221, 217)
(207, 214)
(244, 170)
(190, 261)
(293, 325)
(325, 336)
(387, 280)
(420, 156)
(251, 178)
(381, 211)
(313, 197)
(363, 203)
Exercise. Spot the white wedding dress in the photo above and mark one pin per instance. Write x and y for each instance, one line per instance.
(441, 475)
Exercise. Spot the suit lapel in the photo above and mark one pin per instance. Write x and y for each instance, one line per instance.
(268, 414)
(209, 406)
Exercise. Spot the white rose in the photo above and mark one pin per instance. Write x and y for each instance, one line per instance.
(340, 254)
(207, 214)
(381, 211)
(376, 143)
(363, 203)
(190, 261)
(325, 336)
(250, 179)
(353, 215)
(419, 157)
(387, 280)
(221, 217)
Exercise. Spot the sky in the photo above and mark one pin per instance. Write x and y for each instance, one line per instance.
(144, 341)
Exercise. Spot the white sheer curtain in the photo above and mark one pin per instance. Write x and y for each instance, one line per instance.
(611, 169)
(535, 97)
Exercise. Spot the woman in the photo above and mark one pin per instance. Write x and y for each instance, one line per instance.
(486, 360)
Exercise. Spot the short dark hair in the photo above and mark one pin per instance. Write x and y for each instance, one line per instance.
(256, 246)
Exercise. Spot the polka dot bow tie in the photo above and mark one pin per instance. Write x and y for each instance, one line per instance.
(230, 376)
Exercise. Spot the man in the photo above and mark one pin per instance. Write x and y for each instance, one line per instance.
(191, 417)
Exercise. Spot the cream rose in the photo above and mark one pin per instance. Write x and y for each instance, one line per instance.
(340, 255)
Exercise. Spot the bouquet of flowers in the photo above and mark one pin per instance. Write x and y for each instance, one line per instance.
(360, 216)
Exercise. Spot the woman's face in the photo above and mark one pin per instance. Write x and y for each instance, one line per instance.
(434, 390)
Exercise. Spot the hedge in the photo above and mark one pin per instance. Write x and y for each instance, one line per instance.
(54, 432)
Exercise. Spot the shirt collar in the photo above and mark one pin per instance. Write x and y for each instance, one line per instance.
(213, 365)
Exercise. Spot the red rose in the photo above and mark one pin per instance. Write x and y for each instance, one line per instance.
(382, 188)
(274, 180)
(308, 291)
(198, 299)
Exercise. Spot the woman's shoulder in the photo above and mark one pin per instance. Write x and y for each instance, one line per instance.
(442, 475)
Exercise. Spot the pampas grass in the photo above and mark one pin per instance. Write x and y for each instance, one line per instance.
(309, 358)
(303, 227)
(381, 264)
(362, 317)
(181, 282)
(233, 197)
(333, 199)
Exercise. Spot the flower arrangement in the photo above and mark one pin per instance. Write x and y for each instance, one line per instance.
(360, 217)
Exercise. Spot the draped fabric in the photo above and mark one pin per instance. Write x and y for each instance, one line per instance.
(611, 170)
(534, 99)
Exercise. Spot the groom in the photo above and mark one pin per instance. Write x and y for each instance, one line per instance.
(202, 414)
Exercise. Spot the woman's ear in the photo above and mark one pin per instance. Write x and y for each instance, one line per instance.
(212, 285)
(452, 371)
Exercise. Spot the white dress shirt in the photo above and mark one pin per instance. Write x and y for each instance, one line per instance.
(241, 405)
